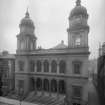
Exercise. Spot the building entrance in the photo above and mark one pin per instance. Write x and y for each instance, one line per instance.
(76, 104)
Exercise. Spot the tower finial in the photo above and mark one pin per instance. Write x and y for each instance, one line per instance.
(27, 13)
(78, 2)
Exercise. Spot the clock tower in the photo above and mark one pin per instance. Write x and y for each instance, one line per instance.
(78, 28)
(26, 39)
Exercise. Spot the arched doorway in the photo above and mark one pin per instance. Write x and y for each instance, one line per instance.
(61, 86)
(76, 104)
(32, 84)
(53, 86)
(46, 85)
(39, 84)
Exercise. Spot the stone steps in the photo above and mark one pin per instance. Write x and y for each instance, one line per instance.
(43, 99)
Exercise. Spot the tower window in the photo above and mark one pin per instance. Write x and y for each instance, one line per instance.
(31, 45)
(77, 41)
(22, 45)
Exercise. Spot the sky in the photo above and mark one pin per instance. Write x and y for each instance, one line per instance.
(50, 18)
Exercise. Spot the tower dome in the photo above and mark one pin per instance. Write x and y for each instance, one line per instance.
(26, 21)
(78, 10)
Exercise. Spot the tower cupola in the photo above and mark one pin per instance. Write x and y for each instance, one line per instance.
(78, 27)
(26, 21)
(78, 10)
(26, 40)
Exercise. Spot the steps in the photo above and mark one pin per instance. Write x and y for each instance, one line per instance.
(43, 99)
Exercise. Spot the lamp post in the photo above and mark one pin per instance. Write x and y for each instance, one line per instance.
(20, 94)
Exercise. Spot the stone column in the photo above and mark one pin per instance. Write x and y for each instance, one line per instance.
(35, 86)
(42, 87)
(49, 87)
(35, 67)
(57, 88)
(57, 67)
(49, 66)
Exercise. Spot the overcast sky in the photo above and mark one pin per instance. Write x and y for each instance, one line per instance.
(51, 21)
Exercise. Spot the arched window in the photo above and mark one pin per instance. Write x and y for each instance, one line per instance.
(77, 65)
(46, 66)
(62, 86)
(62, 67)
(53, 66)
(32, 65)
(46, 84)
(53, 85)
(39, 84)
(39, 66)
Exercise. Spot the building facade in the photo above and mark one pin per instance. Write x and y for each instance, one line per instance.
(7, 71)
(101, 74)
(61, 70)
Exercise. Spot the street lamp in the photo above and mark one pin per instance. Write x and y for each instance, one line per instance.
(20, 94)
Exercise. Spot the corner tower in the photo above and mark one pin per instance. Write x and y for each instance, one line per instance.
(78, 27)
(26, 39)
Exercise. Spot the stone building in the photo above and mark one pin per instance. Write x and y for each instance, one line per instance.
(58, 71)
(101, 73)
(7, 71)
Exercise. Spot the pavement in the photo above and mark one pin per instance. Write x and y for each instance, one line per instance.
(7, 101)
(93, 97)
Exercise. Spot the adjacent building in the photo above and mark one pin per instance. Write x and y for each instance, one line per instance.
(7, 71)
(61, 71)
(101, 74)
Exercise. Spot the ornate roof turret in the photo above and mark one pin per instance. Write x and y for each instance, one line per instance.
(27, 14)
(78, 2)
(26, 21)
(78, 10)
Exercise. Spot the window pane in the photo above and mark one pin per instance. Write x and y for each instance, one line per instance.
(20, 83)
(76, 67)
(21, 65)
(46, 66)
(32, 65)
(76, 91)
(39, 66)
